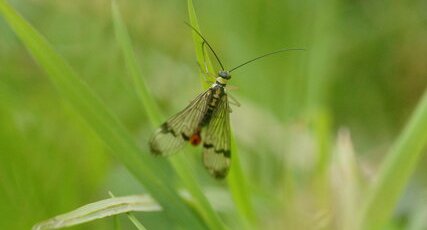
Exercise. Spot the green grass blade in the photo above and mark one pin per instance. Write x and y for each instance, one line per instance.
(239, 189)
(235, 179)
(396, 170)
(198, 46)
(133, 68)
(146, 169)
(117, 225)
(200, 202)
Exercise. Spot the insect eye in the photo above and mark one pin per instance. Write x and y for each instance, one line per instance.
(224, 74)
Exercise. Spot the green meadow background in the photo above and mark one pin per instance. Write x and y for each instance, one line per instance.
(328, 138)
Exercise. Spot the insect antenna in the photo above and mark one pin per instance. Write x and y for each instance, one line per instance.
(262, 56)
(207, 43)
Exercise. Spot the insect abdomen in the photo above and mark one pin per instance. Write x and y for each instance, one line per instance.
(214, 99)
(208, 116)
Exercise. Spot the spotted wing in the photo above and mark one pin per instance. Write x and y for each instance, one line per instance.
(172, 134)
(216, 140)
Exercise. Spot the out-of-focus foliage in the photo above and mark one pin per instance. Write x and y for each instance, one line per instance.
(364, 69)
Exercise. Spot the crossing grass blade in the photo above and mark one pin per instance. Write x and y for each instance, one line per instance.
(236, 180)
(101, 209)
(145, 168)
(200, 203)
(396, 170)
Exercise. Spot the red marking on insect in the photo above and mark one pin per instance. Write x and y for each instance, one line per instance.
(195, 139)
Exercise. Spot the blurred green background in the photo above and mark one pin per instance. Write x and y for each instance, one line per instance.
(362, 74)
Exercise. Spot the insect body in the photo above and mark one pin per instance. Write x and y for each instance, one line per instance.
(204, 121)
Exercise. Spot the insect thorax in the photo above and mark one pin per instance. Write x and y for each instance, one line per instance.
(222, 81)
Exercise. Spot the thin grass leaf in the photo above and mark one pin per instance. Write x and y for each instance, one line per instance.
(117, 225)
(101, 209)
(146, 169)
(200, 203)
(396, 170)
(135, 222)
(236, 180)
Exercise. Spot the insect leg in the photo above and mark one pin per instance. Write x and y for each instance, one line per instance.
(233, 100)
(205, 70)
(209, 78)
(232, 87)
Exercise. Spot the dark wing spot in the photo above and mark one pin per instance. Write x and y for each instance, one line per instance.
(185, 137)
(220, 174)
(218, 163)
(165, 128)
(154, 150)
(226, 153)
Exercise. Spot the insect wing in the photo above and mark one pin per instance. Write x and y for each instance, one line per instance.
(172, 134)
(216, 140)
